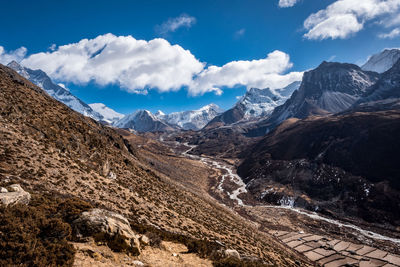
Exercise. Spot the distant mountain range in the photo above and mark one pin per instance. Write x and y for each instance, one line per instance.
(328, 89)
(192, 119)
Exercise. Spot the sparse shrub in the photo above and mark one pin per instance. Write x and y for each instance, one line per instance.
(37, 234)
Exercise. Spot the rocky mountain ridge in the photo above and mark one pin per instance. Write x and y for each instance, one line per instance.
(40, 78)
(382, 61)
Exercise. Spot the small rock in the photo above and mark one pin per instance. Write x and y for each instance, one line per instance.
(17, 196)
(232, 253)
(3, 190)
(144, 240)
(174, 255)
(138, 263)
(112, 175)
(16, 188)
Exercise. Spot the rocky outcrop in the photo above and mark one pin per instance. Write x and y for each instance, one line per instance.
(232, 253)
(109, 227)
(14, 195)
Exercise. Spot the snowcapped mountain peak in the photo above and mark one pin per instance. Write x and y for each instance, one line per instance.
(109, 115)
(210, 107)
(142, 121)
(159, 113)
(41, 79)
(261, 102)
(382, 61)
(191, 119)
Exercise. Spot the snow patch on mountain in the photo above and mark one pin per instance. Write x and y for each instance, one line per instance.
(61, 94)
(192, 119)
(109, 115)
(382, 61)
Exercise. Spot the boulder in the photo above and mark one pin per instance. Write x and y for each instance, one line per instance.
(15, 195)
(232, 253)
(3, 190)
(109, 227)
(144, 240)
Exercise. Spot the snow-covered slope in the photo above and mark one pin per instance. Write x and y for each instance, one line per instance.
(261, 102)
(192, 119)
(254, 104)
(382, 61)
(109, 115)
(41, 79)
(142, 121)
(387, 87)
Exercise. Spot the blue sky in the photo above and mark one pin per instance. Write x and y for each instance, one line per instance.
(214, 33)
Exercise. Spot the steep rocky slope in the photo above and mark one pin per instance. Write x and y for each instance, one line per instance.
(47, 147)
(382, 61)
(330, 88)
(387, 87)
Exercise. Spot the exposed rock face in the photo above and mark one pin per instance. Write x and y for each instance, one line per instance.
(387, 87)
(328, 89)
(110, 227)
(16, 195)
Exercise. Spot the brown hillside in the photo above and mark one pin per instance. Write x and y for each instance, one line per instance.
(47, 147)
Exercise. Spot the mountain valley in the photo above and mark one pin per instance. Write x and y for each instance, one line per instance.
(306, 175)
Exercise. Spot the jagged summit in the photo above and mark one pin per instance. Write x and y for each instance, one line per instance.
(142, 121)
(330, 88)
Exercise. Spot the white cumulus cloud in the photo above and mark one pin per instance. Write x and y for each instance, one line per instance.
(346, 17)
(287, 3)
(135, 65)
(261, 73)
(172, 24)
(7, 57)
(138, 66)
(390, 35)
